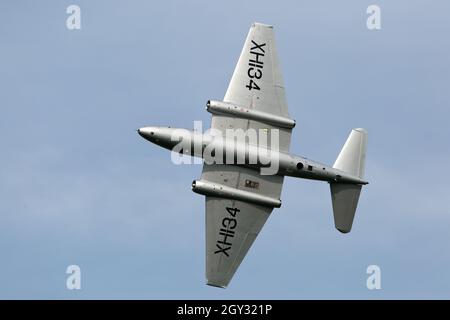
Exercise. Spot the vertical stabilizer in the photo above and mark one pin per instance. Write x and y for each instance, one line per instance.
(352, 157)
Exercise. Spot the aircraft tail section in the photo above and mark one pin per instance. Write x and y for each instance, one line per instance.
(345, 196)
(345, 199)
(352, 157)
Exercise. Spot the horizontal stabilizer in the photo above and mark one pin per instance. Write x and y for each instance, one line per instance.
(345, 199)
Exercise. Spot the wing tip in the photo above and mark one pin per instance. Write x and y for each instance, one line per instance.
(217, 285)
(259, 24)
(217, 280)
(343, 230)
(362, 130)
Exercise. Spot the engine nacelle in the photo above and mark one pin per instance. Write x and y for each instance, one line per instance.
(212, 189)
(225, 108)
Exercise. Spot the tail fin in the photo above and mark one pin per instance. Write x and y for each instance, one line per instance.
(352, 157)
(345, 196)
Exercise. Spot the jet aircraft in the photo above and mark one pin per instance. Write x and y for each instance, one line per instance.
(239, 197)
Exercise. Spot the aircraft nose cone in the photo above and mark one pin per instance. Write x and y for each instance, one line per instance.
(146, 132)
(140, 132)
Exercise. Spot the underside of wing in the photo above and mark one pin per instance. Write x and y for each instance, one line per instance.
(257, 81)
(232, 225)
(257, 84)
(231, 228)
(243, 178)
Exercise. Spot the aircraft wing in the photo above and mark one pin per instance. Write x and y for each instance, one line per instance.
(233, 225)
(257, 83)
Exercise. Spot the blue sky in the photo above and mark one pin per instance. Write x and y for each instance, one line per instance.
(79, 186)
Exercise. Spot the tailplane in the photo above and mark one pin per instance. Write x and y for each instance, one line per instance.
(345, 196)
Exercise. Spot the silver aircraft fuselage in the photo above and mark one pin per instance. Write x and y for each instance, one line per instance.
(288, 164)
